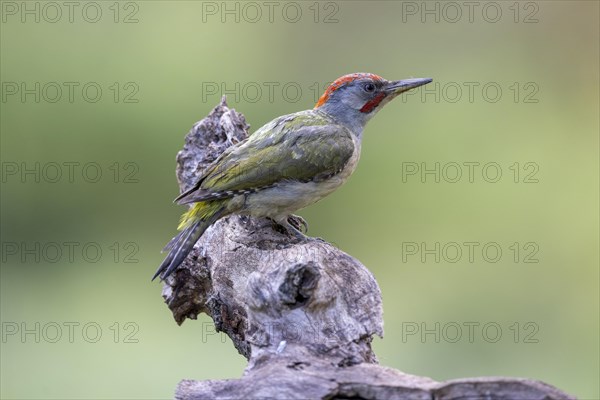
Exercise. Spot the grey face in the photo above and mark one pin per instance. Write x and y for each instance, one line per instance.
(363, 95)
(355, 103)
(354, 99)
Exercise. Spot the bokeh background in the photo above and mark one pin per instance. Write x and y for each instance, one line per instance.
(88, 325)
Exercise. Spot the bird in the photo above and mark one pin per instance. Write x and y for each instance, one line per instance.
(286, 165)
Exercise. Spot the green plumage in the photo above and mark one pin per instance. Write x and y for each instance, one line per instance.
(200, 211)
(288, 164)
(303, 146)
(308, 146)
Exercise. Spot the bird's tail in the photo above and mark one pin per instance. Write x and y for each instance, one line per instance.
(193, 224)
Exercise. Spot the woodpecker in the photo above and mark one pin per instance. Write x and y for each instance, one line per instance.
(288, 164)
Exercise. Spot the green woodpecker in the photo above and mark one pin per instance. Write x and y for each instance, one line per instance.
(291, 162)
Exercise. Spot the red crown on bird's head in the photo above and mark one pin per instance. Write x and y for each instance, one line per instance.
(344, 80)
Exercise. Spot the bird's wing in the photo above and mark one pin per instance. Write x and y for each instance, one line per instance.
(303, 147)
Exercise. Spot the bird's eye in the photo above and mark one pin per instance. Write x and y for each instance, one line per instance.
(369, 87)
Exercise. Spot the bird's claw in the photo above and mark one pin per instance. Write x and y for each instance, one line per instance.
(298, 222)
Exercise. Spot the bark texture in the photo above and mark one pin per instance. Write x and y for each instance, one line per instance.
(302, 312)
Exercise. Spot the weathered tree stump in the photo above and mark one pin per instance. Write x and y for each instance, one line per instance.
(302, 313)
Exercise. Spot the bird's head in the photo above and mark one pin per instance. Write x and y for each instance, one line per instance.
(355, 98)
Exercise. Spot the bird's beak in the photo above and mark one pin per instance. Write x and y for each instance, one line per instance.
(396, 87)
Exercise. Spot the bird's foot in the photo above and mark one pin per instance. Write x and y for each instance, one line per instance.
(301, 225)
(290, 229)
(298, 222)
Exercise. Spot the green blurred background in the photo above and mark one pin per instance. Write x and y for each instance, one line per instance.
(158, 63)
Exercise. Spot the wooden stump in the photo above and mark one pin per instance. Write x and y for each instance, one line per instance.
(302, 312)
